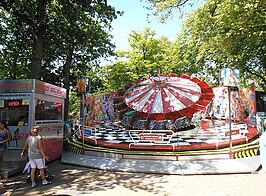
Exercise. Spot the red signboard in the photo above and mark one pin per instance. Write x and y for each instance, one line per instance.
(13, 103)
(31, 86)
(151, 136)
(16, 86)
(49, 89)
(234, 132)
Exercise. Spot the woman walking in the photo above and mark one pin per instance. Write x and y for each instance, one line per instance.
(36, 154)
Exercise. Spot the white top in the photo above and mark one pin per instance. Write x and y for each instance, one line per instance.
(34, 152)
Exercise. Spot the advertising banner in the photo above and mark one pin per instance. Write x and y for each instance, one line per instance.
(243, 104)
(49, 89)
(16, 86)
(230, 77)
(99, 108)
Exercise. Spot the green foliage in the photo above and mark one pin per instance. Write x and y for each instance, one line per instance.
(230, 34)
(74, 104)
(74, 29)
(14, 50)
(115, 76)
(218, 34)
(147, 55)
(166, 9)
(56, 41)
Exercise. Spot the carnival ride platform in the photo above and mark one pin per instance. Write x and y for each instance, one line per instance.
(209, 135)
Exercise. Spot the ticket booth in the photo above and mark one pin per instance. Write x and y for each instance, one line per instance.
(29, 102)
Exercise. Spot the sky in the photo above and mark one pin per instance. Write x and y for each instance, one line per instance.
(135, 18)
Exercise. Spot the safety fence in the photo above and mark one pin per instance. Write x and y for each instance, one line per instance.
(239, 151)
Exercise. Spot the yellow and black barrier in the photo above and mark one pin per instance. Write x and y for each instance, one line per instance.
(70, 146)
(239, 151)
(246, 153)
(246, 150)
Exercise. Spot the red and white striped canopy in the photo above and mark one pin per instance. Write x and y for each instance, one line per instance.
(171, 96)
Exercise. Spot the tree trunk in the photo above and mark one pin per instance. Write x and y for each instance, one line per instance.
(36, 62)
(37, 49)
(66, 81)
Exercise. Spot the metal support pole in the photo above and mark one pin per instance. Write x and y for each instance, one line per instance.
(83, 114)
(83, 120)
(230, 121)
(81, 83)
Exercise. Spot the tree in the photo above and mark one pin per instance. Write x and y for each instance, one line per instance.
(165, 9)
(220, 34)
(230, 34)
(35, 21)
(147, 52)
(52, 21)
(14, 49)
(74, 105)
(62, 39)
(83, 37)
(147, 55)
(116, 76)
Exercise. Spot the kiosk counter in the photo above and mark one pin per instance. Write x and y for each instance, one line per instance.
(29, 102)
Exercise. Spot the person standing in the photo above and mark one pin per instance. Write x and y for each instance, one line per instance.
(263, 148)
(36, 154)
(5, 137)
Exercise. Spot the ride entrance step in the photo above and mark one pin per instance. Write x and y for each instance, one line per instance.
(181, 167)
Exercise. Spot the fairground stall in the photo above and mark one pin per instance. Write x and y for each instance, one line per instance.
(29, 102)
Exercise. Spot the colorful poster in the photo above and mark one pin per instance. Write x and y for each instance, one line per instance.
(249, 97)
(230, 77)
(243, 104)
(99, 109)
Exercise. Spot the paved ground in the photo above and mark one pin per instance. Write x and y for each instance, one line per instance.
(160, 165)
(75, 180)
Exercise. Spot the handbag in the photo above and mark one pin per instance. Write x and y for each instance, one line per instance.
(27, 168)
